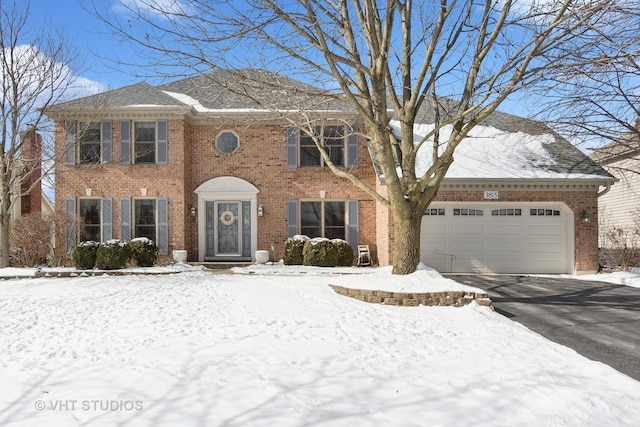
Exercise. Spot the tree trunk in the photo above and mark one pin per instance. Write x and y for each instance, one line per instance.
(5, 247)
(406, 246)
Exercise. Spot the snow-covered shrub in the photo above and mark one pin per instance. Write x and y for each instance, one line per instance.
(31, 240)
(292, 253)
(320, 252)
(143, 251)
(84, 255)
(112, 254)
(345, 252)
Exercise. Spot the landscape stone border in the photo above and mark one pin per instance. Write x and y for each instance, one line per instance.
(447, 298)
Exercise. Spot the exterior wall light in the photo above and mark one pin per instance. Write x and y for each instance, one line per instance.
(584, 216)
(260, 210)
(192, 211)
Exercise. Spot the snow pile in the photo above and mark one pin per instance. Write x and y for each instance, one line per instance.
(198, 348)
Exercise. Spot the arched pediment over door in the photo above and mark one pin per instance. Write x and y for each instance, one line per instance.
(227, 219)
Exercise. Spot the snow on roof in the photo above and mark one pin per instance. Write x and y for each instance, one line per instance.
(493, 153)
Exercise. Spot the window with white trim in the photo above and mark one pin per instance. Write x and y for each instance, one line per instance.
(333, 141)
(227, 142)
(544, 212)
(506, 212)
(467, 212)
(144, 147)
(89, 143)
(145, 218)
(89, 212)
(323, 219)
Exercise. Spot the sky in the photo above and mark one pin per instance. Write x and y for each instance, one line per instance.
(90, 36)
(98, 44)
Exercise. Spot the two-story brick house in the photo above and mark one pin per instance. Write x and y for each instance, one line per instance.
(194, 165)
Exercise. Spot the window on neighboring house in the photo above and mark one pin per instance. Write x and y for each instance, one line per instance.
(323, 219)
(333, 140)
(90, 216)
(89, 136)
(144, 136)
(144, 214)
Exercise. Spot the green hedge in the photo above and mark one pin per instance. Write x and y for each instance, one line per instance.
(84, 255)
(112, 254)
(292, 254)
(143, 251)
(323, 252)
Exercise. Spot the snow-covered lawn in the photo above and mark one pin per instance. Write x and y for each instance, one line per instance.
(262, 349)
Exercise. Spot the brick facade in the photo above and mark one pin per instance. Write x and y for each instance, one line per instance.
(261, 160)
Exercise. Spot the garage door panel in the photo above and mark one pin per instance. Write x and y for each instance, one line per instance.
(507, 229)
(546, 247)
(468, 229)
(545, 229)
(500, 244)
(507, 248)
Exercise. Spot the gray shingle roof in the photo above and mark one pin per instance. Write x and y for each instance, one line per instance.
(137, 94)
(255, 89)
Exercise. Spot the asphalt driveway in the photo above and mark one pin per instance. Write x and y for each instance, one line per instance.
(599, 320)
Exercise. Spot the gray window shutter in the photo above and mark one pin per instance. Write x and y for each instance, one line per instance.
(125, 219)
(352, 226)
(70, 142)
(163, 143)
(292, 217)
(246, 229)
(70, 210)
(106, 218)
(162, 205)
(105, 141)
(352, 147)
(292, 147)
(125, 142)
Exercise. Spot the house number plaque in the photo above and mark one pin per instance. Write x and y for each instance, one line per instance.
(491, 194)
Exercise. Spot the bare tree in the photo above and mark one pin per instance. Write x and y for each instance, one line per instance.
(599, 102)
(35, 72)
(393, 59)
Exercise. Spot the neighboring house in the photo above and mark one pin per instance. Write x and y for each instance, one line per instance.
(194, 166)
(620, 207)
(32, 199)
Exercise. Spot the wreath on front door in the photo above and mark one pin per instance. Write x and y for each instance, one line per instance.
(227, 218)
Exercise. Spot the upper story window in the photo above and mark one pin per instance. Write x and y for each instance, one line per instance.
(144, 136)
(144, 142)
(333, 141)
(89, 142)
(339, 141)
(227, 142)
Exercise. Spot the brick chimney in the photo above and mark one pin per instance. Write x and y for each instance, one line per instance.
(31, 156)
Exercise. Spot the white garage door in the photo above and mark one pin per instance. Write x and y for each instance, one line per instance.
(497, 238)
